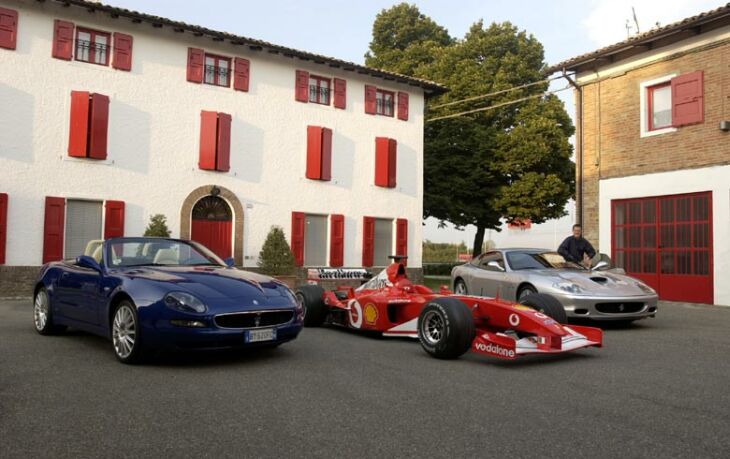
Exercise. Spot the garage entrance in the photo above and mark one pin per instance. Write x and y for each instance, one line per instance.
(212, 225)
(666, 241)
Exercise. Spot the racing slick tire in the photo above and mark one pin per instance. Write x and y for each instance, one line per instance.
(547, 305)
(315, 311)
(446, 328)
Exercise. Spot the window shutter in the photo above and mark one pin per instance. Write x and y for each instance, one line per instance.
(208, 140)
(99, 126)
(403, 106)
(196, 60)
(301, 86)
(314, 153)
(3, 225)
(326, 154)
(122, 51)
(370, 96)
(241, 71)
(337, 240)
(297, 237)
(340, 93)
(688, 99)
(8, 30)
(114, 219)
(63, 39)
(368, 241)
(223, 158)
(401, 237)
(392, 156)
(79, 124)
(382, 161)
(53, 229)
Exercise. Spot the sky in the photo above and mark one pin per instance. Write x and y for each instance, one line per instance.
(342, 29)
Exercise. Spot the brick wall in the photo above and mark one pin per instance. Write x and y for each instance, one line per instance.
(612, 141)
(17, 281)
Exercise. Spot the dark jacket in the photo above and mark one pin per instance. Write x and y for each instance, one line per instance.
(572, 249)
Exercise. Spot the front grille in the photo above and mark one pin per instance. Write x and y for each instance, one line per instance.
(619, 308)
(249, 319)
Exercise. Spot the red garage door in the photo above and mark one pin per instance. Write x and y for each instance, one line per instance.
(666, 241)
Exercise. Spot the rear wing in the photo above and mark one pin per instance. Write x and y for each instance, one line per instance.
(314, 275)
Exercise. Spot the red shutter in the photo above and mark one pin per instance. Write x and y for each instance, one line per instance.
(208, 140)
(53, 229)
(382, 154)
(196, 59)
(122, 51)
(63, 39)
(337, 240)
(79, 124)
(114, 219)
(314, 153)
(370, 96)
(403, 106)
(368, 240)
(3, 225)
(301, 86)
(297, 237)
(223, 158)
(99, 126)
(326, 154)
(340, 93)
(392, 156)
(401, 237)
(8, 29)
(241, 72)
(688, 99)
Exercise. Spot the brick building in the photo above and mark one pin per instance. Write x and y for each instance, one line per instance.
(653, 154)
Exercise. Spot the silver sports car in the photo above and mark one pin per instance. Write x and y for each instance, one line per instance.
(597, 293)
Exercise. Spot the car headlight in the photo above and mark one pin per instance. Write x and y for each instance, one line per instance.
(645, 288)
(568, 287)
(184, 302)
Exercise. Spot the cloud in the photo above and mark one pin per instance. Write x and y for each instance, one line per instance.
(606, 22)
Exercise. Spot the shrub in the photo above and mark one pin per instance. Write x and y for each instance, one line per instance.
(157, 227)
(275, 257)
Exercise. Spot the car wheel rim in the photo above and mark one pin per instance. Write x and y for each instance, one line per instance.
(300, 300)
(460, 288)
(124, 331)
(432, 327)
(40, 311)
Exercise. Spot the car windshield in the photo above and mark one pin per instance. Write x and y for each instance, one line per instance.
(124, 253)
(519, 261)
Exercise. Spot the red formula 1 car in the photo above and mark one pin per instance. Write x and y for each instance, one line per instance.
(447, 325)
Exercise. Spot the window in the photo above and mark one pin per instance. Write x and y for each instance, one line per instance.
(659, 105)
(83, 224)
(384, 102)
(217, 70)
(309, 239)
(385, 162)
(315, 240)
(215, 141)
(319, 90)
(88, 125)
(92, 46)
(382, 242)
(319, 153)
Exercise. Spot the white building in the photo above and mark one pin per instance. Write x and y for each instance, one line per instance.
(108, 116)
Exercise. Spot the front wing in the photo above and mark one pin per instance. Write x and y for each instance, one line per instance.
(508, 347)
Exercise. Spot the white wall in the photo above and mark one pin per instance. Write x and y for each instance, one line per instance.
(154, 126)
(715, 179)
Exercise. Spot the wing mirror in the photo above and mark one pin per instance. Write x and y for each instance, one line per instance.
(495, 265)
(230, 262)
(599, 265)
(86, 261)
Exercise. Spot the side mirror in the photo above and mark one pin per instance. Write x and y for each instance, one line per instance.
(230, 262)
(495, 265)
(599, 265)
(86, 261)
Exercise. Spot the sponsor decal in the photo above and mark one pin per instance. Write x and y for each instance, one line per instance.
(523, 307)
(336, 273)
(514, 320)
(495, 349)
(399, 301)
(540, 315)
(355, 314)
(371, 314)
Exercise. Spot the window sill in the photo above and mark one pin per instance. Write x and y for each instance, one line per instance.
(100, 162)
(657, 132)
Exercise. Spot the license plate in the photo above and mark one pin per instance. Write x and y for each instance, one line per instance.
(265, 334)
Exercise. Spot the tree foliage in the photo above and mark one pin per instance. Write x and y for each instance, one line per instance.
(275, 257)
(157, 226)
(511, 162)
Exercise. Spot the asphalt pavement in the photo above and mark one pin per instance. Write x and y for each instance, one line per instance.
(659, 388)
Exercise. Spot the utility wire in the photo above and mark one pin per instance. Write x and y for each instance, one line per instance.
(503, 104)
(514, 88)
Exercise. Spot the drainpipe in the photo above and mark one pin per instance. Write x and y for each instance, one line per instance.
(579, 153)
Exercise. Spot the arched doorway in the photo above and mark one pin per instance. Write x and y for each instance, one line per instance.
(212, 225)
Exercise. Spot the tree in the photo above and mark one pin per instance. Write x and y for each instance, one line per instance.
(275, 257)
(157, 226)
(511, 162)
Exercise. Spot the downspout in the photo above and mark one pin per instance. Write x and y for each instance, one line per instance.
(579, 153)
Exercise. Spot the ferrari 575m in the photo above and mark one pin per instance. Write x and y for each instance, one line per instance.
(147, 294)
(446, 325)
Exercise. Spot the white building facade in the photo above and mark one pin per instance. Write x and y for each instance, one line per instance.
(108, 117)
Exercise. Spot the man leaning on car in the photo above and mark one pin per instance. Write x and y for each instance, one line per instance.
(577, 249)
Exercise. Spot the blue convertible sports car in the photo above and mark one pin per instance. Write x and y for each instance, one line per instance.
(148, 294)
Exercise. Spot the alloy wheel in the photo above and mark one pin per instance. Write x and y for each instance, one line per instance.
(40, 310)
(432, 327)
(124, 331)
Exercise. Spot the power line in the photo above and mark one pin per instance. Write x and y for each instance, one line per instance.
(503, 104)
(496, 93)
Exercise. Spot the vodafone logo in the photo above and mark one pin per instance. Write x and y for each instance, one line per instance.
(541, 315)
(495, 349)
(514, 320)
(355, 314)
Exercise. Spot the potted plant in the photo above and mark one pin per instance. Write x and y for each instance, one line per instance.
(276, 259)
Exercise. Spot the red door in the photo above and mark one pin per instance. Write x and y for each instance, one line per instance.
(212, 225)
(666, 241)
